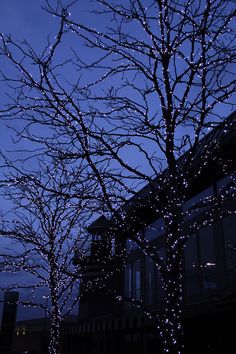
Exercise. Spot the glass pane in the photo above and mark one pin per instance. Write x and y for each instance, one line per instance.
(191, 255)
(136, 280)
(150, 280)
(229, 226)
(160, 291)
(128, 280)
(207, 257)
(113, 246)
(159, 284)
(192, 285)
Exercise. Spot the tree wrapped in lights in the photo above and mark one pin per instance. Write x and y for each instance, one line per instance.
(162, 76)
(42, 230)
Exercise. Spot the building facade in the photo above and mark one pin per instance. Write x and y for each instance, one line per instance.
(106, 326)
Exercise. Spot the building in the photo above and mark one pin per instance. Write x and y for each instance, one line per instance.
(8, 321)
(108, 327)
(32, 336)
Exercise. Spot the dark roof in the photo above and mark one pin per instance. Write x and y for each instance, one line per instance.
(99, 225)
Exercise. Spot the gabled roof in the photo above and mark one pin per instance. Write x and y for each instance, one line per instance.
(98, 226)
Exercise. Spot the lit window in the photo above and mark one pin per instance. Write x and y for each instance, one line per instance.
(200, 263)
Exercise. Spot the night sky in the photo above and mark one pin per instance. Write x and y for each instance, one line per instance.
(22, 19)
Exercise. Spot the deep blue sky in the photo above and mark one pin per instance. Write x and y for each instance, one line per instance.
(24, 19)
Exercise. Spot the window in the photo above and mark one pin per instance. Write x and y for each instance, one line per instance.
(97, 237)
(128, 280)
(113, 246)
(21, 331)
(229, 227)
(200, 263)
(150, 280)
(137, 280)
(192, 285)
(154, 286)
(207, 258)
(159, 284)
(133, 280)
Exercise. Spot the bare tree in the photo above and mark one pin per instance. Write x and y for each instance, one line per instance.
(43, 229)
(161, 70)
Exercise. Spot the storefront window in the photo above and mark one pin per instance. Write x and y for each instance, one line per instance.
(207, 257)
(200, 263)
(192, 284)
(229, 227)
(155, 292)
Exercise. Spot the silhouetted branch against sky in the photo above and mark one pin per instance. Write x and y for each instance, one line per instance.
(44, 229)
(122, 100)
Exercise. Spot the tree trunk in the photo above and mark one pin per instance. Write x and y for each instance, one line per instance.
(55, 329)
(172, 328)
(55, 323)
